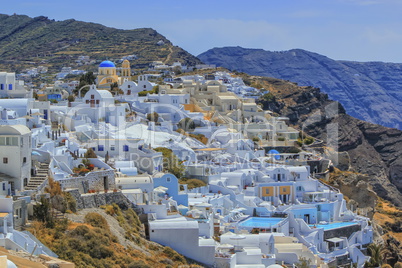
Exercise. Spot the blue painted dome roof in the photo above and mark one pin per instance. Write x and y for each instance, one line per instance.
(107, 63)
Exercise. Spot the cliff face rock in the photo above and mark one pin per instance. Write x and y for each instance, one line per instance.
(368, 91)
(356, 188)
(373, 150)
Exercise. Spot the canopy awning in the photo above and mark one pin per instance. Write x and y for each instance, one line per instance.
(335, 240)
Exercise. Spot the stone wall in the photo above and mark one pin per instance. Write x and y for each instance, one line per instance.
(341, 232)
(99, 199)
(92, 181)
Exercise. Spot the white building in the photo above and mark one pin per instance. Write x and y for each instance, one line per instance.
(15, 155)
(183, 236)
(10, 87)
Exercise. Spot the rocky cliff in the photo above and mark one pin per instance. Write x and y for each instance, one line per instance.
(369, 91)
(374, 150)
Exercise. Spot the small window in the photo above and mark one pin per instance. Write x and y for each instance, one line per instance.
(5, 160)
(125, 148)
(97, 101)
(2, 86)
(4, 186)
(266, 190)
(10, 87)
(87, 101)
(168, 179)
(100, 148)
(24, 160)
(129, 86)
(112, 148)
(145, 86)
(92, 97)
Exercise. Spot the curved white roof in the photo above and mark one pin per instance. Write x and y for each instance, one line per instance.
(14, 130)
(297, 169)
(105, 93)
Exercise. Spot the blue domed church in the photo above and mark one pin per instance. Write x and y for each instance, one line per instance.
(107, 74)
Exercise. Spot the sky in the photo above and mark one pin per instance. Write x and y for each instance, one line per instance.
(357, 30)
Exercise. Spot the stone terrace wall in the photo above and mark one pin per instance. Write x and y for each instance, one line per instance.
(99, 199)
(92, 181)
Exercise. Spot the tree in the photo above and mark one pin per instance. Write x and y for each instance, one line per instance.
(114, 88)
(155, 90)
(375, 253)
(71, 98)
(86, 79)
(90, 153)
(153, 117)
(107, 157)
(41, 212)
(171, 162)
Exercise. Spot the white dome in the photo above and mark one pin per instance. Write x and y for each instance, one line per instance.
(10, 264)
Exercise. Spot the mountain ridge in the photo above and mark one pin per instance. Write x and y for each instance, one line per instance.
(366, 91)
(24, 39)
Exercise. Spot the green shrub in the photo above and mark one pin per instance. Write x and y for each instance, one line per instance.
(308, 140)
(138, 264)
(269, 97)
(193, 183)
(153, 117)
(294, 150)
(96, 220)
(70, 201)
(171, 254)
(299, 142)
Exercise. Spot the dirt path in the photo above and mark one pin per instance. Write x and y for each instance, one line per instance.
(169, 56)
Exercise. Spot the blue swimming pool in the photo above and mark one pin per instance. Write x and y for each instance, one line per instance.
(334, 225)
(260, 222)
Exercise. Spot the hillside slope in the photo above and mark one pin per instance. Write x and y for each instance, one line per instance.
(105, 238)
(368, 91)
(24, 39)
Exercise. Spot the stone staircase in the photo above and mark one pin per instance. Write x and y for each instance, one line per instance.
(57, 214)
(39, 178)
